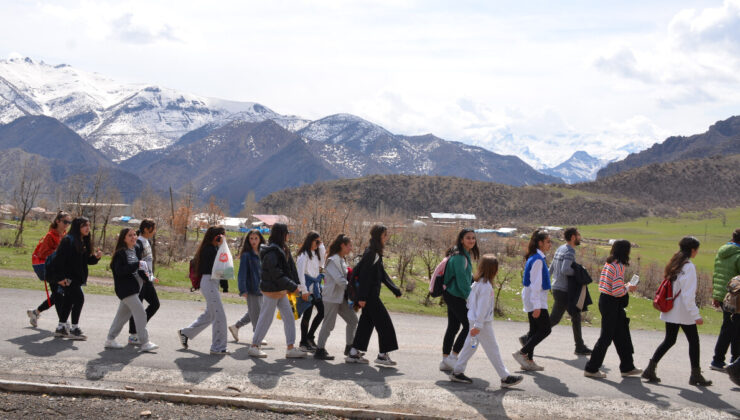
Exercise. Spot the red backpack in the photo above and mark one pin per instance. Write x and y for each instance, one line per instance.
(194, 277)
(664, 296)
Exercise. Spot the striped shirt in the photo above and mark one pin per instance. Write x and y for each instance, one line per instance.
(611, 281)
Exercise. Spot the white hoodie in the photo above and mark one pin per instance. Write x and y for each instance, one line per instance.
(480, 303)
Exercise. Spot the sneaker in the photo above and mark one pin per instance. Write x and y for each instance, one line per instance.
(234, 330)
(522, 359)
(263, 343)
(220, 352)
(633, 372)
(523, 340)
(719, 368)
(312, 343)
(356, 359)
(148, 347)
(385, 361)
(535, 367)
(133, 340)
(460, 377)
(596, 375)
(256, 352)
(76, 334)
(446, 365)
(295, 353)
(348, 348)
(183, 339)
(61, 331)
(306, 347)
(113, 344)
(511, 380)
(33, 317)
(322, 354)
(582, 351)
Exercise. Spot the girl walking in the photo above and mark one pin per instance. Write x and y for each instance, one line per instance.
(47, 245)
(143, 248)
(214, 315)
(374, 315)
(457, 279)
(248, 280)
(481, 302)
(335, 297)
(310, 264)
(75, 253)
(536, 284)
(684, 314)
(614, 322)
(279, 277)
(129, 275)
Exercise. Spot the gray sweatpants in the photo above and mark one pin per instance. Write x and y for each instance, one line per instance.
(214, 315)
(267, 314)
(254, 304)
(130, 306)
(487, 340)
(331, 310)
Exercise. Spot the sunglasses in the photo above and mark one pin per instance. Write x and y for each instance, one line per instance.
(66, 222)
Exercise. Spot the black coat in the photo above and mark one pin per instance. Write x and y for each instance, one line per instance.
(576, 282)
(278, 270)
(372, 274)
(125, 266)
(72, 264)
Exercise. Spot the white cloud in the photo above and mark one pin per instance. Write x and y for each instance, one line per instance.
(717, 28)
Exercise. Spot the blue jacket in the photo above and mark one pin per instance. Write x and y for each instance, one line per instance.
(248, 278)
(545, 272)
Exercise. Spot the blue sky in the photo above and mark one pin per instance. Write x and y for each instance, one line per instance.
(537, 79)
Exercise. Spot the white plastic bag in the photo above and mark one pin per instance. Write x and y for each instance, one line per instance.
(223, 267)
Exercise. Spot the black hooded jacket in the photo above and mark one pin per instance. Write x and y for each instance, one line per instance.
(278, 270)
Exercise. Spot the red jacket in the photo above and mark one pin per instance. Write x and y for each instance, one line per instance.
(46, 246)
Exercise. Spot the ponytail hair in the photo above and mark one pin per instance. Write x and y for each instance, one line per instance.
(686, 246)
(146, 224)
(59, 217)
(538, 236)
(336, 246)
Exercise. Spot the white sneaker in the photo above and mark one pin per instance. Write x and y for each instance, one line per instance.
(234, 330)
(597, 375)
(256, 352)
(148, 347)
(133, 339)
(113, 344)
(522, 359)
(446, 365)
(534, 366)
(295, 353)
(33, 317)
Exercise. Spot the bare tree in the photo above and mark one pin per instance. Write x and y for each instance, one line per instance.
(110, 197)
(25, 194)
(250, 206)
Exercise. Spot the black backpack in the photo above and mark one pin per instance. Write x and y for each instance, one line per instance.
(51, 269)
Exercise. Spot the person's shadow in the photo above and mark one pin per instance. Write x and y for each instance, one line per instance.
(373, 380)
(197, 369)
(635, 388)
(704, 396)
(110, 360)
(552, 384)
(37, 345)
(478, 395)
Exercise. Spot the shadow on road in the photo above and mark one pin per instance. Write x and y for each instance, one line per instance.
(488, 402)
(552, 384)
(199, 368)
(34, 344)
(635, 388)
(110, 360)
(704, 396)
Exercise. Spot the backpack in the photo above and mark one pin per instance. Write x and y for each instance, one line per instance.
(51, 274)
(664, 296)
(353, 283)
(731, 302)
(436, 282)
(194, 277)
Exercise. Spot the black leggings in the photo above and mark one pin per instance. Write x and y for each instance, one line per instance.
(307, 332)
(671, 333)
(72, 302)
(148, 293)
(46, 304)
(539, 329)
(457, 316)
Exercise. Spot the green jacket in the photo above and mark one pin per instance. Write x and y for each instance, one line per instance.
(459, 275)
(726, 266)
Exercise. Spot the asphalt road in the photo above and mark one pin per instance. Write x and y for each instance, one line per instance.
(415, 386)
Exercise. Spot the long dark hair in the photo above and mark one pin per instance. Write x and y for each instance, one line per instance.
(278, 236)
(306, 247)
(674, 266)
(146, 224)
(336, 246)
(620, 252)
(474, 252)
(120, 244)
(208, 238)
(537, 236)
(60, 216)
(82, 244)
(246, 246)
(376, 233)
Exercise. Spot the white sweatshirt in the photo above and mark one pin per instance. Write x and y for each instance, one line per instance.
(533, 297)
(684, 310)
(310, 266)
(480, 303)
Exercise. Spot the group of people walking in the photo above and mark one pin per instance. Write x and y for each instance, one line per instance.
(320, 286)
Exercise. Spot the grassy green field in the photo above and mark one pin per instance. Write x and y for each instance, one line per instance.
(657, 238)
(651, 234)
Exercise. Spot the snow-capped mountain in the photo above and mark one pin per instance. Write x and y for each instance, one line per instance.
(580, 167)
(118, 119)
